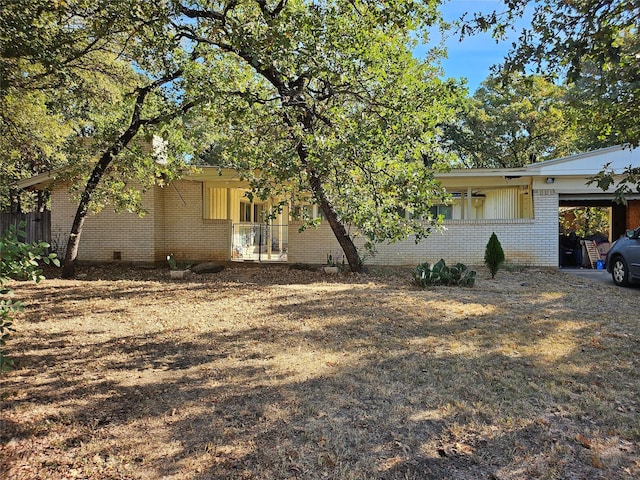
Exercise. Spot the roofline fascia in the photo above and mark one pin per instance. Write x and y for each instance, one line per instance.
(41, 180)
(577, 156)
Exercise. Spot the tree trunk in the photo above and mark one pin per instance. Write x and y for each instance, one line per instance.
(345, 241)
(41, 200)
(340, 232)
(71, 254)
(291, 95)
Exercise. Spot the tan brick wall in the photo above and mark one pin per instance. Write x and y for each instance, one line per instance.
(102, 234)
(174, 224)
(524, 241)
(186, 234)
(311, 245)
(159, 253)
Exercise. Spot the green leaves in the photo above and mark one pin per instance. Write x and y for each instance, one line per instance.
(493, 255)
(21, 261)
(591, 44)
(427, 275)
(623, 185)
(7, 308)
(338, 97)
(17, 261)
(302, 97)
(514, 121)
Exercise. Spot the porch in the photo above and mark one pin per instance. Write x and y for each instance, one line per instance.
(259, 242)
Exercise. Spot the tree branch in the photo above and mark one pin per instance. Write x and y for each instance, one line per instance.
(271, 13)
(209, 14)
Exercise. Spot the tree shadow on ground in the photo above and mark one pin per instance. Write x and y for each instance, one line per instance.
(390, 390)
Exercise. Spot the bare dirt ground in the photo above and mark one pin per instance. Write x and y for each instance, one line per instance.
(275, 373)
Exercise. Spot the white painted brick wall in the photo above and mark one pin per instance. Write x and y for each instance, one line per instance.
(524, 241)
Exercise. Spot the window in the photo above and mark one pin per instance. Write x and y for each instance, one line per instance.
(309, 211)
(260, 212)
(508, 203)
(215, 203)
(445, 210)
(245, 212)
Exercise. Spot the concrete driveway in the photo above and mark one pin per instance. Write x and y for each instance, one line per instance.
(597, 276)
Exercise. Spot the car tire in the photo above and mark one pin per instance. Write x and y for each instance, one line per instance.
(620, 272)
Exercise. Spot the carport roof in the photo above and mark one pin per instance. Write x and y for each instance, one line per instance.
(618, 158)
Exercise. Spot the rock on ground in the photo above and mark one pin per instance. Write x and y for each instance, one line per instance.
(207, 267)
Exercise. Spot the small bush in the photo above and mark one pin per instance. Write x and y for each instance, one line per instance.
(18, 260)
(427, 275)
(493, 255)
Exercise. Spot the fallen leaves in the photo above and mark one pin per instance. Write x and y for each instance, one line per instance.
(295, 373)
(584, 441)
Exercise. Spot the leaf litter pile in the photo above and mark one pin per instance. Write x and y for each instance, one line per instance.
(275, 373)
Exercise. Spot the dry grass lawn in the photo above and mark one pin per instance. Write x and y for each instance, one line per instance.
(274, 373)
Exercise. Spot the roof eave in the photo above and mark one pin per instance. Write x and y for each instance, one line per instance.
(37, 182)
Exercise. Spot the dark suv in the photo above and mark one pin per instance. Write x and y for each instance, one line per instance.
(623, 258)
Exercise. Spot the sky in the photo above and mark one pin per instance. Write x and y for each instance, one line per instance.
(473, 57)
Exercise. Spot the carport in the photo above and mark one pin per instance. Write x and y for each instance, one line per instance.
(617, 212)
(568, 178)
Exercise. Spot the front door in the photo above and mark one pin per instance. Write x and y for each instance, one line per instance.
(259, 242)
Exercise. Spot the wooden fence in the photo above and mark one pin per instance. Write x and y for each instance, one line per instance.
(37, 225)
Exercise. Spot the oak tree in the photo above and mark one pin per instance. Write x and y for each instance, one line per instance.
(594, 45)
(324, 99)
(513, 123)
(337, 110)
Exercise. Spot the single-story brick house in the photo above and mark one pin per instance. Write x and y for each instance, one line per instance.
(206, 216)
